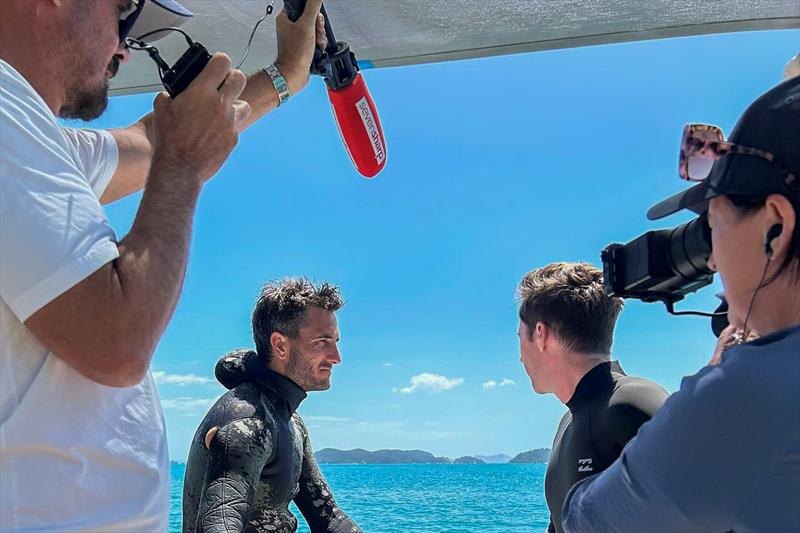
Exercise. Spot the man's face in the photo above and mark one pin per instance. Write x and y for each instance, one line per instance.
(313, 352)
(92, 55)
(737, 253)
(531, 358)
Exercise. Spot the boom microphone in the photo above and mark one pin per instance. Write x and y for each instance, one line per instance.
(359, 126)
(353, 108)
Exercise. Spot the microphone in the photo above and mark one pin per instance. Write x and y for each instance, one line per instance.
(352, 105)
(359, 126)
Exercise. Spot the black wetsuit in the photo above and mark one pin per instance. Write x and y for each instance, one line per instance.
(259, 461)
(605, 412)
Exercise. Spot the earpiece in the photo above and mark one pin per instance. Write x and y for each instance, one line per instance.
(774, 231)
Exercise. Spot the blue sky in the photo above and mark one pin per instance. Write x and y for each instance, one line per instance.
(495, 166)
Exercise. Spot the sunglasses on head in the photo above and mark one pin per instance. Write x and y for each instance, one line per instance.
(703, 144)
(128, 17)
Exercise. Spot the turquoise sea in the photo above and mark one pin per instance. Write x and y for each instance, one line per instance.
(501, 498)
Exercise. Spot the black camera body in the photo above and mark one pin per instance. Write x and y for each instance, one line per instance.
(661, 265)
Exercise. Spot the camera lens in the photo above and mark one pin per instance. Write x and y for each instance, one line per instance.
(690, 248)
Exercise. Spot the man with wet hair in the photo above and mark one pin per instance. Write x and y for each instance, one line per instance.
(82, 439)
(566, 328)
(251, 455)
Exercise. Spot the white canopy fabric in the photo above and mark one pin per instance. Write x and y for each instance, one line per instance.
(386, 33)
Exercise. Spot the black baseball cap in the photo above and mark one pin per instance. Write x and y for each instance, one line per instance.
(771, 124)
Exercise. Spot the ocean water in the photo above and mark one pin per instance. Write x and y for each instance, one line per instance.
(501, 498)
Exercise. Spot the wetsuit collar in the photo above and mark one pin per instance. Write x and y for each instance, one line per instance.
(242, 366)
(284, 387)
(595, 382)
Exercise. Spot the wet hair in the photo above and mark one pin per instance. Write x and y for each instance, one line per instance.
(571, 300)
(748, 205)
(282, 305)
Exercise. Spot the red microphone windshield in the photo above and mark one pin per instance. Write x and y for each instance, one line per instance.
(359, 126)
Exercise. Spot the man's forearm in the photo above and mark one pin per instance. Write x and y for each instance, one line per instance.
(260, 93)
(153, 256)
(315, 500)
(135, 146)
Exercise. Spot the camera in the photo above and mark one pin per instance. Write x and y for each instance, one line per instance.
(661, 265)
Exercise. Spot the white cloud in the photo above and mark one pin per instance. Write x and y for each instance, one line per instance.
(163, 378)
(188, 405)
(431, 383)
(504, 383)
(387, 365)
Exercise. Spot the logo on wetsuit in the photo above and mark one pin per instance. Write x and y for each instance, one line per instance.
(585, 465)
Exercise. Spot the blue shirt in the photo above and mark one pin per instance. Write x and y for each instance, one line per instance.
(722, 453)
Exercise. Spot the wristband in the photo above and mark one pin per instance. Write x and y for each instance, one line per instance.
(279, 82)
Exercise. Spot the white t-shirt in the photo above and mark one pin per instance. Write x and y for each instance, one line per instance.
(74, 455)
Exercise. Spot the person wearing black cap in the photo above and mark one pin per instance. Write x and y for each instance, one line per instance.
(722, 452)
(82, 437)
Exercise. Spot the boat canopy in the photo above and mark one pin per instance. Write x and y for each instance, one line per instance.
(388, 33)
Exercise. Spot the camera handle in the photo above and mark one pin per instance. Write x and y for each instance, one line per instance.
(671, 310)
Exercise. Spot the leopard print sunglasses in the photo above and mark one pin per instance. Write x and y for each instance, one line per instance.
(703, 144)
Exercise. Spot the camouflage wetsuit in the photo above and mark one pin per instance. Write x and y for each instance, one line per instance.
(259, 461)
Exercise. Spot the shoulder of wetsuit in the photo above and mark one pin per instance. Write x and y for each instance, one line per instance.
(231, 369)
(300, 423)
(244, 422)
(251, 434)
(562, 425)
(565, 419)
(633, 402)
(243, 401)
(632, 392)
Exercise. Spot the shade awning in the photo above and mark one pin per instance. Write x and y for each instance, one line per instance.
(385, 33)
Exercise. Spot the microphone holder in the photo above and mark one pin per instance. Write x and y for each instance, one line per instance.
(339, 68)
(337, 63)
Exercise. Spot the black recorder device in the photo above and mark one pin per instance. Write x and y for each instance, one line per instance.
(186, 69)
(177, 77)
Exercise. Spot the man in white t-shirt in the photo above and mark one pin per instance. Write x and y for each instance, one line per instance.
(82, 438)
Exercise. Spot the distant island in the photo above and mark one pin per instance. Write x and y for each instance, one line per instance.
(467, 460)
(494, 459)
(390, 457)
(405, 457)
(539, 455)
(385, 457)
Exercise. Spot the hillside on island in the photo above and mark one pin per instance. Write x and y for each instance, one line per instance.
(539, 455)
(388, 457)
(359, 456)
